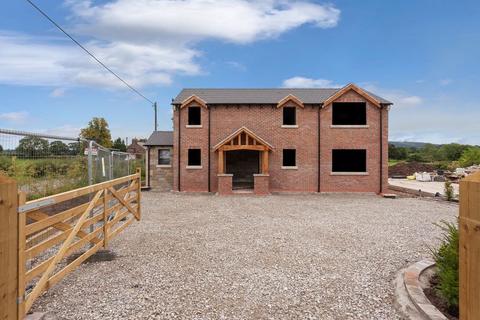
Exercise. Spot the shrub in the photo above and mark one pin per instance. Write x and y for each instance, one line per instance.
(5, 163)
(449, 190)
(446, 259)
(42, 168)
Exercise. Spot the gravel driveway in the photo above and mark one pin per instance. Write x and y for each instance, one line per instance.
(328, 256)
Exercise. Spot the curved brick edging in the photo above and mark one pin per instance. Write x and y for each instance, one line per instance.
(411, 280)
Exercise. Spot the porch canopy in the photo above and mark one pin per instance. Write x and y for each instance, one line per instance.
(243, 139)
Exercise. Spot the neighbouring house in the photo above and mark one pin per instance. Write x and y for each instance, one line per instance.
(274, 140)
(137, 147)
(159, 161)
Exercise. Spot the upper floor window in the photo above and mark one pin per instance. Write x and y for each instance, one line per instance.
(164, 157)
(289, 116)
(349, 113)
(194, 116)
(349, 160)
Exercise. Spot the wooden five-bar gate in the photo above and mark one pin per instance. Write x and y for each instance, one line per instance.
(42, 241)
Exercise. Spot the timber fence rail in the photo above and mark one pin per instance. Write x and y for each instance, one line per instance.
(469, 260)
(77, 223)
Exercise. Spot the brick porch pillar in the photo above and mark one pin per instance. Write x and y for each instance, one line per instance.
(225, 183)
(261, 184)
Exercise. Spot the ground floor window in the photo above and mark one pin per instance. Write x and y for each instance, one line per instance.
(164, 157)
(289, 158)
(194, 157)
(349, 160)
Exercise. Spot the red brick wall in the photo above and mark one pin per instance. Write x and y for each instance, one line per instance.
(225, 184)
(348, 138)
(261, 186)
(266, 122)
(191, 138)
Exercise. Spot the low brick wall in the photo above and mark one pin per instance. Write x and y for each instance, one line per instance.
(261, 184)
(225, 184)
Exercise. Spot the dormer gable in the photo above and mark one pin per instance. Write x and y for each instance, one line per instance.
(290, 99)
(352, 87)
(193, 100)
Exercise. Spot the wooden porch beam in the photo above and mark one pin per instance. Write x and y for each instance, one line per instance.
(221, 167)
(265, 162)
(243, 147)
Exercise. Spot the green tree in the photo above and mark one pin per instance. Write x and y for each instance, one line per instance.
(74, 148)
(98, 131)
(429, 152)
(397, 153)
(120, 145)
(32, 146)
(1, 148)
(58, 148)
(470, 157)
(453, 151)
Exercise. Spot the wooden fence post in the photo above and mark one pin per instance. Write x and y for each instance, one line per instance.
(139, 192)
(8, 248)
(469, 263)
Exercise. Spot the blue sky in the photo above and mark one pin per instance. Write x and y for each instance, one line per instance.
(422, 55)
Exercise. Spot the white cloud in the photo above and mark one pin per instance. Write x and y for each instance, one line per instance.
(27, 61)
(148, 41)
(399, 97)
(62, 131)
(236, 65)
(239, 21)
(302, 82)
(58, 92)
(14, 117)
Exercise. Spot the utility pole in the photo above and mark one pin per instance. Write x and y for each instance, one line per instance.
(155, 108)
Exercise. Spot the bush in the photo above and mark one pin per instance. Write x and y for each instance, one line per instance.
(449, 191)
(446, 259)
(5, 163)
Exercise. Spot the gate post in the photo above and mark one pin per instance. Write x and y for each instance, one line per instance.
(469, 259)
(8, 248)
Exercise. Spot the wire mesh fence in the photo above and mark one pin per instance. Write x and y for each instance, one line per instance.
(44, 165)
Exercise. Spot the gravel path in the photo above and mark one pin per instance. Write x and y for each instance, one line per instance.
(328, 256)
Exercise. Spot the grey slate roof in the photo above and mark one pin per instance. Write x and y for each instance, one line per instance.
(260, 96)
(160, 138)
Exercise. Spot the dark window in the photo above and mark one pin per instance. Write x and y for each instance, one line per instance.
(194, 116)
(289, 116)
(164, 156)
(349, 113)
(194, 157)
(349, 160)
(289, 158)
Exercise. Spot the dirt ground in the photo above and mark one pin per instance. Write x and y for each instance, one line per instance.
(328, 256)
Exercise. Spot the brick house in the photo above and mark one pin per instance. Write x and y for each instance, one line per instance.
(158, 159)
(280, 140)
(137, 147)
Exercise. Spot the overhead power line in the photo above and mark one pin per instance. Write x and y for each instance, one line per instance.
(89, 53)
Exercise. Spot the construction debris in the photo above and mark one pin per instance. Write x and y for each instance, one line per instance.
(404, 169)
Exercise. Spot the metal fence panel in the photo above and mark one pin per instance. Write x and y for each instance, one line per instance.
(45, 164)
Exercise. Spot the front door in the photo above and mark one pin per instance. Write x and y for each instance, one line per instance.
(243, 164)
